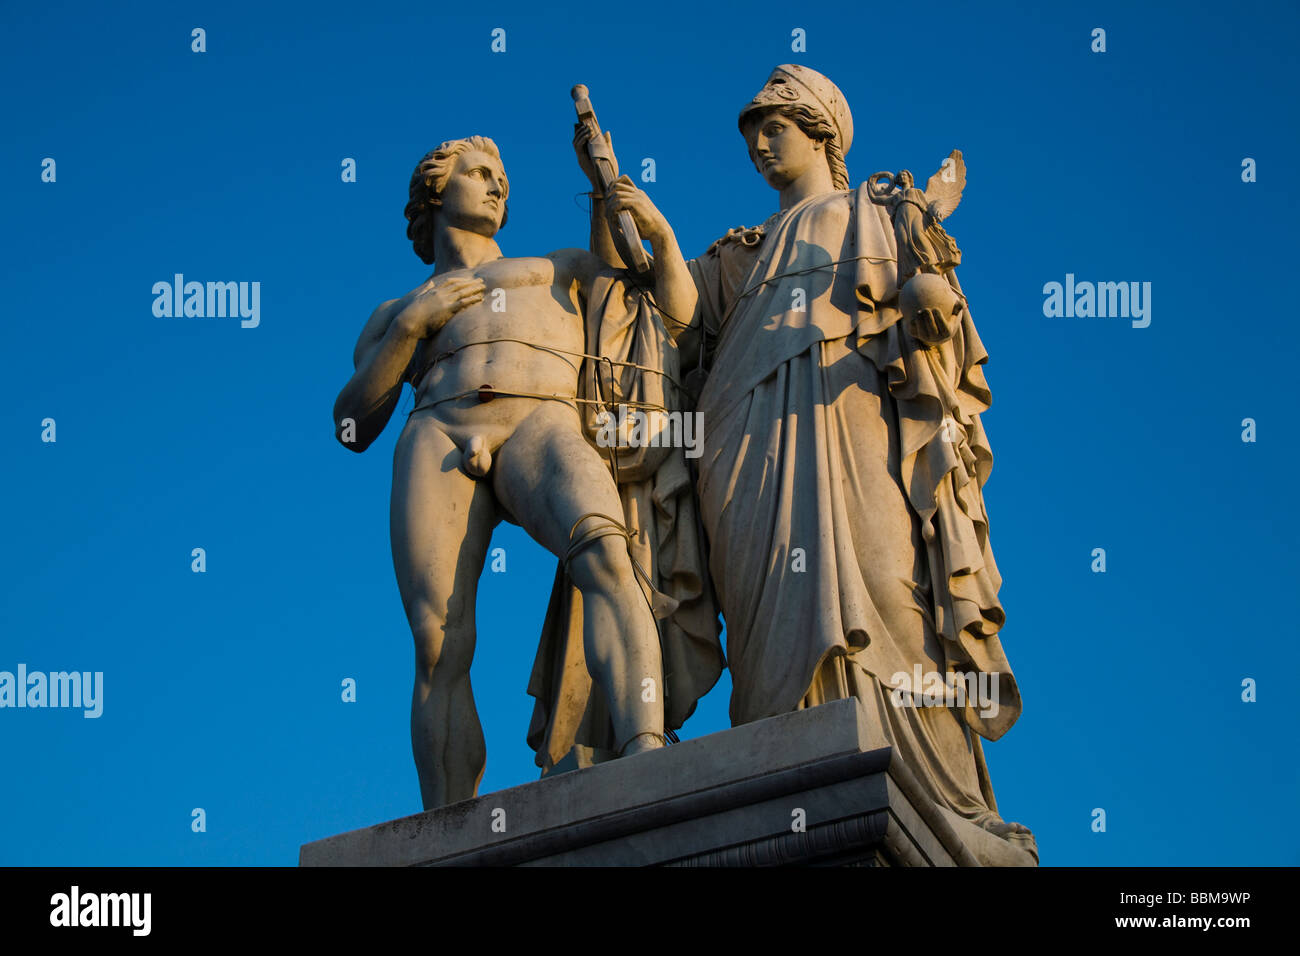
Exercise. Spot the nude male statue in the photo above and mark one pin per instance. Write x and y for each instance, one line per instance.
(492, 347)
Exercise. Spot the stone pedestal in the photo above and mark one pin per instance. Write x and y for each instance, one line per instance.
(806, 788)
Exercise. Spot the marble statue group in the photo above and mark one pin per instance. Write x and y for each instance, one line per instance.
(832, 514)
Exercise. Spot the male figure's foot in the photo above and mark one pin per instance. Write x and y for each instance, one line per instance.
(643, 742)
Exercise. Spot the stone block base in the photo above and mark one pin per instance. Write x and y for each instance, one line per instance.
(806, 788)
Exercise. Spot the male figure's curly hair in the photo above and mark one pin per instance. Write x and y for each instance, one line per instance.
(427, 183)
(816, 126)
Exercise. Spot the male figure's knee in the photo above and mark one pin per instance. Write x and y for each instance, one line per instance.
(601, 565)
(443, 644)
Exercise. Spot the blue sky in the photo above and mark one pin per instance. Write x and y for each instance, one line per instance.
(222, 689)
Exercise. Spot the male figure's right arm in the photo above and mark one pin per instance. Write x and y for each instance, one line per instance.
(380, 360)
(384, 351)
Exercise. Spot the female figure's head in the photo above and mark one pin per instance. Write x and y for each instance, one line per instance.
(798, 121)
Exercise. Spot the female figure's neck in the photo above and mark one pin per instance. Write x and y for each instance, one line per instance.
(814, 181)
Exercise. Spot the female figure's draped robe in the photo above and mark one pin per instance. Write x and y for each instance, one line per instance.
(840, 489)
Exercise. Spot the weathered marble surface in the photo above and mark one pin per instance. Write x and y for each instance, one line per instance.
(726, 799)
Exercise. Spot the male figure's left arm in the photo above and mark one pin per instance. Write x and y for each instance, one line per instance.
(675, 292)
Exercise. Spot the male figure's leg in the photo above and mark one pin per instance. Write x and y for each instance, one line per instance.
(441, 523)
(547, 476)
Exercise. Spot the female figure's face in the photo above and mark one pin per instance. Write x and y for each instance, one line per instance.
(780, 150)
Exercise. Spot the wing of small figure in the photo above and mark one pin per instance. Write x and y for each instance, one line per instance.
(943, 190)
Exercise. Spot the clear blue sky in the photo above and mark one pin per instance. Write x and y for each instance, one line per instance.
(222, 690)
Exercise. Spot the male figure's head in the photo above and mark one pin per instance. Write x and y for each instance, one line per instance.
(798, 119)
(462, 185)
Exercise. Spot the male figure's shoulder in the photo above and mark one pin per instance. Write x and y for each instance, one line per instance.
(377, 325)
(389, 306)
(586, 268)
(578, 263)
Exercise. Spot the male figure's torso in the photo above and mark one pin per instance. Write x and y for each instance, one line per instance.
(505, 342)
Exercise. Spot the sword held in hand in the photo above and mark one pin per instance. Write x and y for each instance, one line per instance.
(626, 237)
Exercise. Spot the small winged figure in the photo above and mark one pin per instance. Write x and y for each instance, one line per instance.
(923, 245)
